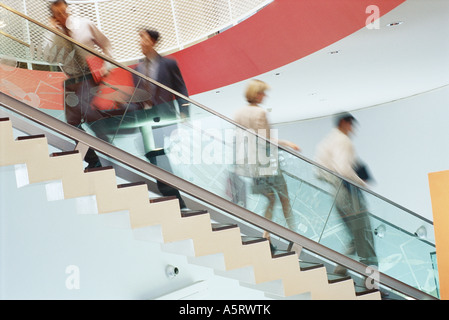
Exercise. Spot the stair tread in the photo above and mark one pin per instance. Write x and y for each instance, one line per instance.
(366, 291)
(334, 278)
(98, 169)
(283, 254)
(191, 213)
(253, 240)
(63, 153)
(219, 227)
(36, 136)
(305, 265)
(161, 199)
(131, 184)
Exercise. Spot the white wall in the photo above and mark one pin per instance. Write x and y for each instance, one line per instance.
(401, 141)
(44, 245)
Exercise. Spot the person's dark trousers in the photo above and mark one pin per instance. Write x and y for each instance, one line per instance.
(77, 100)
(163, 188)
(356, 218)
(92, 159)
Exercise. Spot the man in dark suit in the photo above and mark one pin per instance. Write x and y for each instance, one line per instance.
(160, 103)
(166, 72)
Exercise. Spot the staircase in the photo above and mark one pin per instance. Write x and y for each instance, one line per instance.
(193, 234)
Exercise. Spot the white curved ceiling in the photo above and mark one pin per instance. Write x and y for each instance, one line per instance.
(371, 67)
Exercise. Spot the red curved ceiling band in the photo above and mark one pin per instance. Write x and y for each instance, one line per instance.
(283, 32)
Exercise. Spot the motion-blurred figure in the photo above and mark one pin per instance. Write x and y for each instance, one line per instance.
(160, 105)
(259, 159)
(78, 88)
(336, 152)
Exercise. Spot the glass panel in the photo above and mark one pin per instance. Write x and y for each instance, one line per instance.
(355, 228)
(155, 123)
(435, 274)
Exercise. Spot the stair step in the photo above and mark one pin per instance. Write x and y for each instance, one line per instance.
(161, 199)
(245, 241)
(304, 265)
(334, 278)
(283, 254)
(98, 169)
(361, 291)
(37, 136)
(220, 227)
(369, 294)
(63, 153)
(130, 184)
(191, 213)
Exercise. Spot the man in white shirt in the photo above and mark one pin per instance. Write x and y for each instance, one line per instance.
(79, 86)
(83, 31)
(336, 153)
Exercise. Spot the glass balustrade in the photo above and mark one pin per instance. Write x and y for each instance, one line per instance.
(153, 122)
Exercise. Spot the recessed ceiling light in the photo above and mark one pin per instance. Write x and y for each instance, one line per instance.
(394, 24)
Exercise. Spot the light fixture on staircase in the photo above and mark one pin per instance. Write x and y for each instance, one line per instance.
(171, 271)
(421, 232)
(380, 231)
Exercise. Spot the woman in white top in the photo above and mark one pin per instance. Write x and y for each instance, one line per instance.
(253, 161)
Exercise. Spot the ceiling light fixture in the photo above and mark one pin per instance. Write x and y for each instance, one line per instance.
(394, 24)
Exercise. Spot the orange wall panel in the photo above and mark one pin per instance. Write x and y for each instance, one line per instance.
(439, 192)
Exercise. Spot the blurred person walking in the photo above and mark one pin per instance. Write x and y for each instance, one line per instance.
(161, 104)
(336, 152)
(81, 81)
(267, 178)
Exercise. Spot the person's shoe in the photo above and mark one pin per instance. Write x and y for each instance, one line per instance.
(155, 153)
(93, 165)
